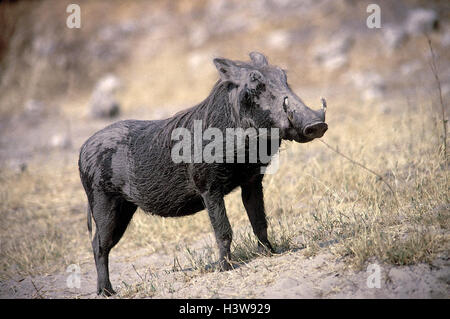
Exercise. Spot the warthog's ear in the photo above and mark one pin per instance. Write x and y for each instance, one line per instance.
(258, 58)
(228, 70)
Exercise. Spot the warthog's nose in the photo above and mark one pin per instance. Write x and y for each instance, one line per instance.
(315, 130)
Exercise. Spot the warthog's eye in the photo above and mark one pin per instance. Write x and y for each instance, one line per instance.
(285, 104)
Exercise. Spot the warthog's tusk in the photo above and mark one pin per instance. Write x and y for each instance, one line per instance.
(324, 105)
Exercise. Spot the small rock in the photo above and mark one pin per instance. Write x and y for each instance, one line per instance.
(108, 84)
(421, 20)
(105, 107)
(103, 103)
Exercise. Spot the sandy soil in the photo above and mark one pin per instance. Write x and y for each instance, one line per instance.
(283, 276)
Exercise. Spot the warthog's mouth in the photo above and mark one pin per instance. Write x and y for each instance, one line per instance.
(309, 133)
(303, 139)
(293, 135)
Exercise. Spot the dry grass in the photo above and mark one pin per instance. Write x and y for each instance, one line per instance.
(317, 200)
(41, 228)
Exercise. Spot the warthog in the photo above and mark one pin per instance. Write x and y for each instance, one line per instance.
(129, 164)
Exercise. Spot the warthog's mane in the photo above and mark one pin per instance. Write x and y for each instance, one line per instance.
(220, 110)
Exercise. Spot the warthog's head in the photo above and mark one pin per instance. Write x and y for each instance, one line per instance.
(265, 99)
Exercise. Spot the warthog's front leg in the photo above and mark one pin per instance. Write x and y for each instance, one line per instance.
(253, 199)
(222, 229)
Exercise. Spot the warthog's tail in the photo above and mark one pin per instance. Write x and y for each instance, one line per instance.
(89, 220)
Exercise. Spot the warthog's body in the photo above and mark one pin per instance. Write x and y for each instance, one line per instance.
(128, 164)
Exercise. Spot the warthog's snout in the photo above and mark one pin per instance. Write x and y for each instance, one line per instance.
(308, 124)
(317, 127)
(315, 130)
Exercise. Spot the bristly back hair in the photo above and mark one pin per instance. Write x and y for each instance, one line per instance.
(220, 109)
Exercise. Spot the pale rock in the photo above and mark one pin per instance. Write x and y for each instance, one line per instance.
(421, 20)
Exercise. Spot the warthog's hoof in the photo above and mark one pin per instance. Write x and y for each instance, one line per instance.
(106, 292)
(265, 249)
(225, 265)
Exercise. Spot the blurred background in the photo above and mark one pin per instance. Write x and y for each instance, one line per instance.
(148, 59)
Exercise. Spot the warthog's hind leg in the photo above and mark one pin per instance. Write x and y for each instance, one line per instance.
(111, 216)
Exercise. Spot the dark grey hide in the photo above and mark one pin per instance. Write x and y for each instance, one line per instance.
(128, 164)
